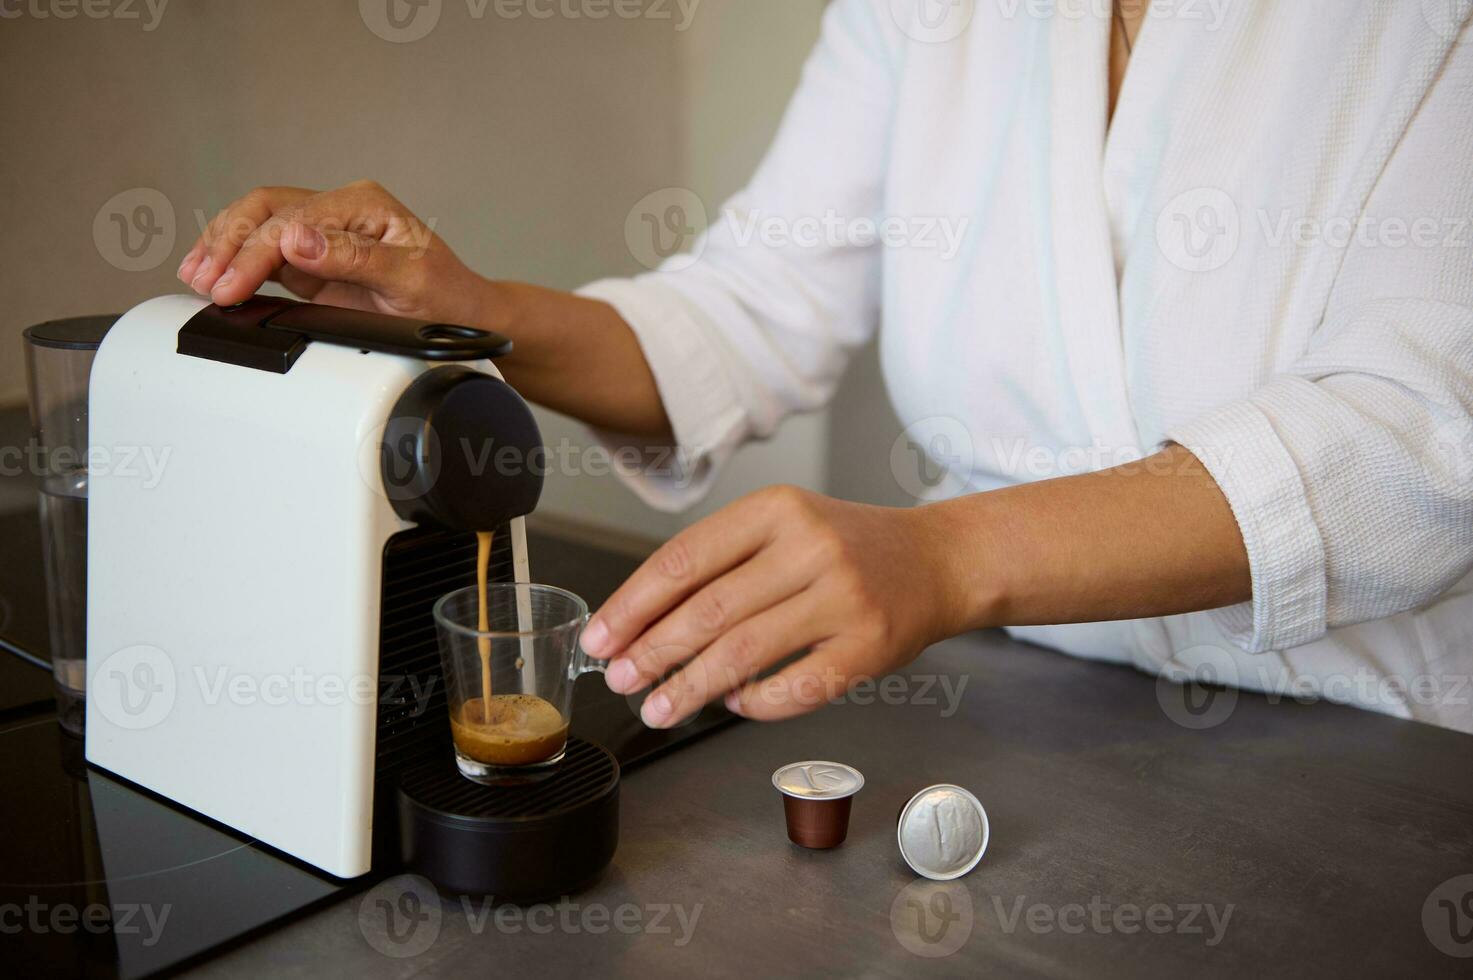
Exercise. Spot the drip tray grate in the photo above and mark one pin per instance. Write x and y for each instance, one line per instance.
(586, 774)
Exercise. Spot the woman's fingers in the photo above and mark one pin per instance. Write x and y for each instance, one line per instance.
(350, 257)
(300, 233)
(333, 256)
(257, 259)
(798, 688)
(757, 584)
(678, 568)
(780, 571)
(735, 658)
(194, 260)
(222, 239)
(247, 243)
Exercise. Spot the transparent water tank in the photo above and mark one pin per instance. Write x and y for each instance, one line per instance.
(59, 357)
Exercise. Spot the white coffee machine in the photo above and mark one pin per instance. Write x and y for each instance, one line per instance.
(279, 493)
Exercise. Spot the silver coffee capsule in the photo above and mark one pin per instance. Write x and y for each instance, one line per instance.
(942, 832)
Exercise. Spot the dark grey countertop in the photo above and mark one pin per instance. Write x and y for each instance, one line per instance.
(1290, 840)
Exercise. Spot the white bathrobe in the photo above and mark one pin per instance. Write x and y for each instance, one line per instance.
(1267, 257)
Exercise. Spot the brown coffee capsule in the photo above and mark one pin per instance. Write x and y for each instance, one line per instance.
(943, 832)
(817, 798)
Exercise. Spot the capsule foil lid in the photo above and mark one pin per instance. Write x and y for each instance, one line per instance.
(818, 780)
(943, 832)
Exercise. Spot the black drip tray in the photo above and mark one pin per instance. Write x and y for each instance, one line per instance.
(521, 843)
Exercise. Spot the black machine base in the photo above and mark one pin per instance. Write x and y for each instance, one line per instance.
(521, 843)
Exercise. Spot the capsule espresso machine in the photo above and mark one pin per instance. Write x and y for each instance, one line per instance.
(260, 645)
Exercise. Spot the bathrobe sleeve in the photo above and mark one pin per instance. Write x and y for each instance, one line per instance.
(1351, 473)
(757, 322)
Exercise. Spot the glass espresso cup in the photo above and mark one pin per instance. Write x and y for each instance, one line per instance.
(509, 683)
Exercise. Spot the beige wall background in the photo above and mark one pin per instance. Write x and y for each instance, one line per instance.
(525, 139)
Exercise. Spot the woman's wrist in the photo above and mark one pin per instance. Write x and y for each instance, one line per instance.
(573, 354)
(492, 304)
(964, 577)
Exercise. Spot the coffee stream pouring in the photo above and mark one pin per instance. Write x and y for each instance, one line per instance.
(261, 644)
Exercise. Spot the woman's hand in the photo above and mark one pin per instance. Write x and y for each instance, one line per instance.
(359, 248)
(356, 247)
(865, 588)
(779, 571)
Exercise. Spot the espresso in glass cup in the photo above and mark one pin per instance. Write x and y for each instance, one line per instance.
(509, 676)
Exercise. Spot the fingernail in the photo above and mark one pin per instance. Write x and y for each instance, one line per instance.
(201, 272)
(193, 254)
(733, 703)
(309, 242)
(223, 280)
(656, 709)
(595, 638)
(622, 677)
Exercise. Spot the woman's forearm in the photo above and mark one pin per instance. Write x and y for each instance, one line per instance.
(576, 356)
(1151, 538)
(863, 589)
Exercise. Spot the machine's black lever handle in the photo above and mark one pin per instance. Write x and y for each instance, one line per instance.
(425, 339)
(269, 334)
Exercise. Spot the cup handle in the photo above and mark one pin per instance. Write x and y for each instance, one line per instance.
(582, 663)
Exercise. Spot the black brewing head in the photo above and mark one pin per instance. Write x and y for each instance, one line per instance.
(461, 450)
